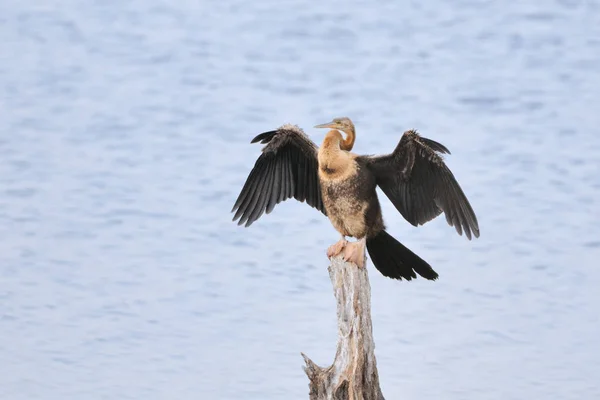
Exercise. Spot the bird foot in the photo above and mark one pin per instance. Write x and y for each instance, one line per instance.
(355, 252)
(337, 248)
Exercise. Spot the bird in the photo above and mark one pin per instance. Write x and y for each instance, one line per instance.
(342, 186)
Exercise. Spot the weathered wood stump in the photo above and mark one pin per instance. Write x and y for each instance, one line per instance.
(353, 374)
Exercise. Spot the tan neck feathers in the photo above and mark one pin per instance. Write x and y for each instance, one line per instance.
(348, 143)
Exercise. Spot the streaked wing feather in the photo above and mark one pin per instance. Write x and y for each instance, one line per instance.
(264, 137)
(421, 186)
(310, 195)
(435, 145)
(252, 204)
(287, 164)
(290, 177)
(261, 205)
(249, 190)
(286, 168)
(274, 194)
(299, 173)
(282, 173)
(268, 189)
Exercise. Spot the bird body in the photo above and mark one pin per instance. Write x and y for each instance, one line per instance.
(342, 185)
(348, 190)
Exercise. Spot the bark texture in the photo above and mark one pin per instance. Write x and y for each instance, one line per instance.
(353, 374)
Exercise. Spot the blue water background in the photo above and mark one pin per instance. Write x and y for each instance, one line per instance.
(124, 141)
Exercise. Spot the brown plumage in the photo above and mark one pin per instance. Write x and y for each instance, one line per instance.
(342, 185)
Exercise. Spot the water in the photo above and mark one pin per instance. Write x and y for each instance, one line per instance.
(124, 141)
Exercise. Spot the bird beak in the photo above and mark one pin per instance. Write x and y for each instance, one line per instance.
(327, 125)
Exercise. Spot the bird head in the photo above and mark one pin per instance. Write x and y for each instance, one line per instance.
(341, 124)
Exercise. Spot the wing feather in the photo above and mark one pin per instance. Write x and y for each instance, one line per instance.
(274, 194)
(286, 168)
(309, 188)
(252, 208)
(268, 189)
(261, 205)
(420, 185)
(249, 190)
(290, 177)
(282, 174)
(299, 174)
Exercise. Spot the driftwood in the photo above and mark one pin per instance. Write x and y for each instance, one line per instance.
(353, 375)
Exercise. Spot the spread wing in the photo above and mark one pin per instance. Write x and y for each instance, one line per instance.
(287, 167)
(420, 185)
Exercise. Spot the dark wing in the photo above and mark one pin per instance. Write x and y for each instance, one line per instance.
(287, 167)
(420, 185)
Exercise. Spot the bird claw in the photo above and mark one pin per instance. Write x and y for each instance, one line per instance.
(355, 253)
(336, 248)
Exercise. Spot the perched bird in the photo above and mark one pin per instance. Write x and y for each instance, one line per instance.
(342, 186)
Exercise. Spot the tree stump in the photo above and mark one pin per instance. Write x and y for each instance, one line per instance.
(353, 374)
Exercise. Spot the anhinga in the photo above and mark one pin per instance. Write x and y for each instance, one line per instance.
(342, 185)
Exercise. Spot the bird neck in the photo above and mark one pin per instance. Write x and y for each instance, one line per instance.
(332, 156)
(332, 143)
(348, 143)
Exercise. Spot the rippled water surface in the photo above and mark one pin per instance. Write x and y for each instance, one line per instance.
(124, 141)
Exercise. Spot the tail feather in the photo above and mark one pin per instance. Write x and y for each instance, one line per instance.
(396, 261)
